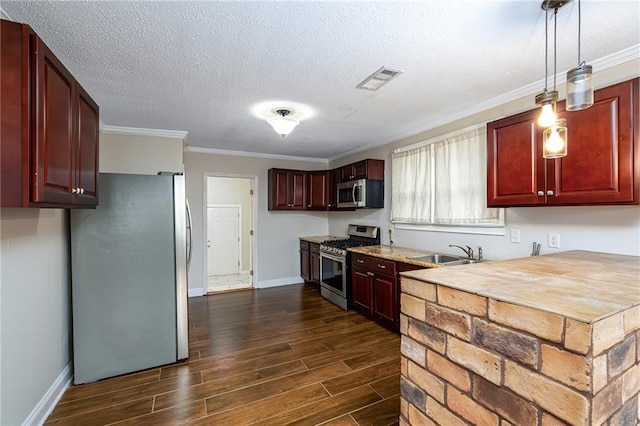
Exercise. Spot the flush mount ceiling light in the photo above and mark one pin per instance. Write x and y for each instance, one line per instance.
(283, 125)
(378, 79)
(579, 82)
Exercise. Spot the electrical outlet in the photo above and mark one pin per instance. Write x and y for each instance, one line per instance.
(554, 240)
(515, 236)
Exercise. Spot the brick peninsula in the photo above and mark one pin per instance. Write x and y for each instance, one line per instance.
(544, 340)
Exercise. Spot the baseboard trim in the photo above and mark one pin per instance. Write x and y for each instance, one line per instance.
(278, 282)
(48, 402)
(196, 292)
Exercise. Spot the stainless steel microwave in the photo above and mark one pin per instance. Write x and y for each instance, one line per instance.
(361, 193)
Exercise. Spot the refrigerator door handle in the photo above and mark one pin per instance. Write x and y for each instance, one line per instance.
(189, 234)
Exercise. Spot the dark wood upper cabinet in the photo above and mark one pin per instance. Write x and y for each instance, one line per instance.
(602, 165)
(365, 169)
(50, 144)
(287, 189)
(317, 190)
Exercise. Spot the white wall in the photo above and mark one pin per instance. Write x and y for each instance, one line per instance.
(277, 232)
(136, 154)
(222, 190)
(35, 307)
(614, 229)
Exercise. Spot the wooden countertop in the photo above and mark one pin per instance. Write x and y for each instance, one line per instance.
(582, 285)
(320, 238)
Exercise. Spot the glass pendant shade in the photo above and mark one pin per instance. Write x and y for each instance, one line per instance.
(547, 115)
(579, 88)
(283, 125)
(555, 140)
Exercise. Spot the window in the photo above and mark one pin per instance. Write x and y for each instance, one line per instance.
(443, 182)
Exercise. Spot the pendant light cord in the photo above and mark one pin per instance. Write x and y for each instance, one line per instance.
(555, 32)
(546, 46)
(579, 21)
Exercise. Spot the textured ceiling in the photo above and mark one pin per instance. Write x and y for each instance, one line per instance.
(211, 68)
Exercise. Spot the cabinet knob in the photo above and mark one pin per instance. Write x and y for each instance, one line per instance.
(549, 192)
(74, 190)
(308, 205)
(370, 273)
(81, 190)
(540, 193)
(360, 261)
(381, 266)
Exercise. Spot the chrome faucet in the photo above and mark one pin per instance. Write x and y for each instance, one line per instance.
(468, 250)
(480, 259)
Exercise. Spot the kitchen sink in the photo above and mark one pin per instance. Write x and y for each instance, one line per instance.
(445, 259)
(438, 258)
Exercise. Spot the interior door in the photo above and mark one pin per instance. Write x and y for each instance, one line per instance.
(223, 240)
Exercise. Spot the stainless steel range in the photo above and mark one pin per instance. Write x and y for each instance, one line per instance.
(335, 274)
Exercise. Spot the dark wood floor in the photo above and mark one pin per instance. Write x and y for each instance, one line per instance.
(274, 356)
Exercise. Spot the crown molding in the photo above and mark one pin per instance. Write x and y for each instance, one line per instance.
(137, 131)
(609, 61)
(214, 151)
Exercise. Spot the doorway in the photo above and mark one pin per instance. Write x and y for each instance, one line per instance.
(229, 226)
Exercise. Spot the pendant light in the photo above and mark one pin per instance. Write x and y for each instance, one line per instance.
(554, 140)
(579, 81)
(554, 137)
(283, 125)
(548, 98)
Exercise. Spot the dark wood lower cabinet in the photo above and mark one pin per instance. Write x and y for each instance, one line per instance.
(305, 271)
(310, 261)
(375, 289)
(314, 262)
(386, 309)
(362, 290)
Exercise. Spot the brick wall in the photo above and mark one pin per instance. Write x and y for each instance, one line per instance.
(467, 359)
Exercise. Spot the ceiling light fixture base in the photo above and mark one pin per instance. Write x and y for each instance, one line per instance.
(553, 4)
(547, 97)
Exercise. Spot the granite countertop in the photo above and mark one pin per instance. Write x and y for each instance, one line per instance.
(398, 254)
(320, 238)
(582, 285)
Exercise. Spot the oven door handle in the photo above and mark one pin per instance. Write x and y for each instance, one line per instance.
(332, 257)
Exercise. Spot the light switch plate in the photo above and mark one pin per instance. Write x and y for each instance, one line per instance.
(515, 236)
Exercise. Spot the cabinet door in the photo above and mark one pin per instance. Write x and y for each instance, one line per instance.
(334, 179)
(278, 189)
(599, 166)
(317, 185)
(515, 167)
(14, 130)
(297, 189)
(314, 267)
(304, 265)
(361, 290)
(53, 100)
(385, 299)
(87, 150)
(346, 173)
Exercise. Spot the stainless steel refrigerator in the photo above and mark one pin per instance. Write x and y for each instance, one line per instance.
(129, 260)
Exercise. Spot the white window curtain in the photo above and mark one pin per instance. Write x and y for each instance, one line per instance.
(443, 182)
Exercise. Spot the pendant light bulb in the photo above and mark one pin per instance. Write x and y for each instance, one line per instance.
(555, 140)
(547, 116)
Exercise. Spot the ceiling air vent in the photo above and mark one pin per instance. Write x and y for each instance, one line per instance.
(379, 78)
